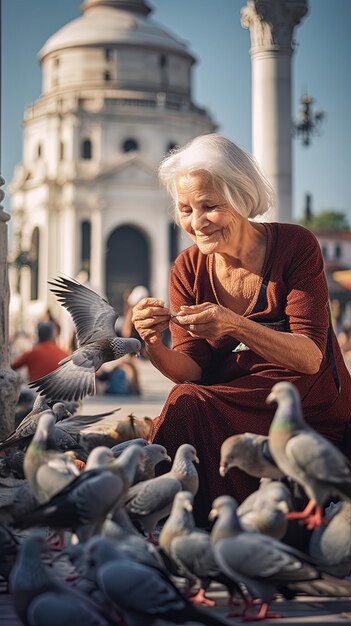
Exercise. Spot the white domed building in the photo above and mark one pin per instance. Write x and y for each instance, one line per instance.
(116, 97)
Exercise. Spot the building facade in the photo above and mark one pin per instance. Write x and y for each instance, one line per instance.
(116, 97)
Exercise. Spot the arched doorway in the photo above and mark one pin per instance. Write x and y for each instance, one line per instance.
(127, 263)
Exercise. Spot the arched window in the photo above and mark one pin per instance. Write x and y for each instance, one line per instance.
(85, 245)
(338, 251)
(122, 276)
(34, 255)
(107, 76)
(86, 149)
(130, 145)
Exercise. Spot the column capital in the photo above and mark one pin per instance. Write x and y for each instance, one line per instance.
(272, 22)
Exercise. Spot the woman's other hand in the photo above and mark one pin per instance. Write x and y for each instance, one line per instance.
(207, 320)
(151, 318)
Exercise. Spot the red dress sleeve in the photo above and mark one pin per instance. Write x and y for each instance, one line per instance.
(307, 306)
(181, 291)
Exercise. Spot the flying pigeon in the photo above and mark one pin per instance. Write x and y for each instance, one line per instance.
(306, 456)
(95, 323)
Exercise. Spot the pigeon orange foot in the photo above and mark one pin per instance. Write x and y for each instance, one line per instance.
(201, 598)
(311, 516)
(262, 614)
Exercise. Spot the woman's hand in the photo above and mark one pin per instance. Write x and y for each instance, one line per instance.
(151, 318)
(207, 320)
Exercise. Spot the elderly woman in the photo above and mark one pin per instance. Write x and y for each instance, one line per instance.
(248, 307)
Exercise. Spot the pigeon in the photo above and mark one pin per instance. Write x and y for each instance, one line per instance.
(187, 550)
(151, 500)
(250, 453)
(41, 600)
(306, 456)
(95, 323)
(330, 546)
(264, 511)
(83, 505)
(263, 564)
(26, 429)
(119, 447)
(47, 471)
(125, 429)
(154, 454)
(143, 592)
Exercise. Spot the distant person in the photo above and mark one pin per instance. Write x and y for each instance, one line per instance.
(44, 357)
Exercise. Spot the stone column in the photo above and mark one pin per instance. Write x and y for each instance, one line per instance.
(9, 380)
(271, 24)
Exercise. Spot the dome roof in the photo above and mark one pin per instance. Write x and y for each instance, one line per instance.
(111, 22)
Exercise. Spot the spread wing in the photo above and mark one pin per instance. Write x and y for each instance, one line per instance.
(94, 318)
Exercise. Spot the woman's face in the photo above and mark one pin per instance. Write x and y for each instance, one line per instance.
(205, 215)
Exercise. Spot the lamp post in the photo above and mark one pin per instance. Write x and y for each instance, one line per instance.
(310, 122)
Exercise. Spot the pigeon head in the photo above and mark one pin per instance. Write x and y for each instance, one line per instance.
(232, 450)
(187, 452)
(35, 544)
(155, 453)
(133, 346)
(222, 503)
(289, 412)
(99, 457)
(59, 409)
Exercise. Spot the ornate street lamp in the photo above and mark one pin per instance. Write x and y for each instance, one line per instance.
(310, 122)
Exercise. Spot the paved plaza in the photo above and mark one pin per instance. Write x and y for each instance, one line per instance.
(300, 612)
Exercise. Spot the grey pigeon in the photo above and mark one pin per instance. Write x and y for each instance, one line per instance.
(27, 427)
(95, 323)
(150, 501)
(47, 471)
(154, 454)
(188, 550)
(264, 565)
(264, 511)
(330, 545)
(84, 504)
(41, 600)
(144, 593)
(12, 464)
(250, 453)
(306, 456)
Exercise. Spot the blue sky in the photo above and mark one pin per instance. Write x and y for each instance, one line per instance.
(222, 80)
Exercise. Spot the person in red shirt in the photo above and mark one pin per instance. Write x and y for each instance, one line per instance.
(44, 356)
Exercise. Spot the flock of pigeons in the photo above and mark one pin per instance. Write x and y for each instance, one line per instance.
(94, 497)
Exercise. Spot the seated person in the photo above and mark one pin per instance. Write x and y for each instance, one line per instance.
(45, 355)
(252, 308)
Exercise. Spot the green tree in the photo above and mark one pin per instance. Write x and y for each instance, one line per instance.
(327, 220)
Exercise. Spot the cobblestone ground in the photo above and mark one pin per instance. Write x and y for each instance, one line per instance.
(302, 611)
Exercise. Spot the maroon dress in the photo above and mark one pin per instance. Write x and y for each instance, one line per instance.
(231, 396)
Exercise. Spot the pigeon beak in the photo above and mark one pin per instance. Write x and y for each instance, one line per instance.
(271, 398)
(168, 458)
(188, 506)
(196, 459)
(223, 468)
(213, 514)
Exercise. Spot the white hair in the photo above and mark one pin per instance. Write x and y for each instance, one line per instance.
(233, 172)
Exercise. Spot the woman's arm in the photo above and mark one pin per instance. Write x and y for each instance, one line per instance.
(151, 318)
(291, 350)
